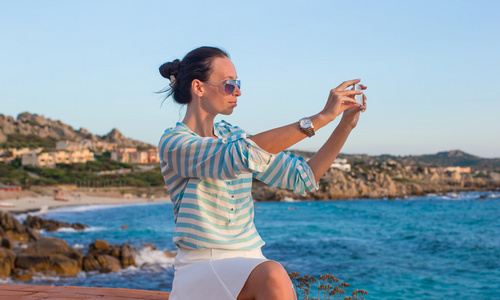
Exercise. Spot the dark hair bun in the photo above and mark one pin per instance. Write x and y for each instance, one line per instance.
(170, 68)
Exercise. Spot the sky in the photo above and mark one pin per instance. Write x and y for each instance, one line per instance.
(431, 67)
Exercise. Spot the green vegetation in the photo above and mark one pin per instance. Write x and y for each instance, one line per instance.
(16, 140)
(80, 174)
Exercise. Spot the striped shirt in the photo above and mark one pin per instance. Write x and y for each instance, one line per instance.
(210, 183)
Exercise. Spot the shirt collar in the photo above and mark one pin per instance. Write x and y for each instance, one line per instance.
(183, 127)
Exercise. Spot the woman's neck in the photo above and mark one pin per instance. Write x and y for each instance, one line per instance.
(200, 122)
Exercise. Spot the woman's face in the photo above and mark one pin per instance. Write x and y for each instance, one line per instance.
(214, 100)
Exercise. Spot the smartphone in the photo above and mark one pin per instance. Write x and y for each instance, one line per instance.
(358, 98)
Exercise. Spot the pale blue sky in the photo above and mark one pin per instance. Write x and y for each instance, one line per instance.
(431, 67)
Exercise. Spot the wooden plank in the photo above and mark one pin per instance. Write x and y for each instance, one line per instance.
(20, 291)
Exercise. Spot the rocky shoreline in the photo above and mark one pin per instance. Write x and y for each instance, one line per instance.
(385, 180)
(24, 252)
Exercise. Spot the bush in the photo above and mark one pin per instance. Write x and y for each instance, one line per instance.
(330, 287)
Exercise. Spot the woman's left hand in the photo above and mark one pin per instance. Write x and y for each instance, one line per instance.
(350, 117)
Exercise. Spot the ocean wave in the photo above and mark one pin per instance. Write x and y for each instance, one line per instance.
(72, 230)
(152, 259)
(44, 278)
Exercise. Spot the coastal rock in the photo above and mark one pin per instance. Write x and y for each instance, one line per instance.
(99, 245)
(127, 255)
(11, 228)
(21, 275)
(7, 260)
(101, 262)
(50, 225)
(49, 254)
(6, 243)
(495, 177)
(59, 264)
(97, 257)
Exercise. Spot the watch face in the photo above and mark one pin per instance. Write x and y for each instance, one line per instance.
(305, 123)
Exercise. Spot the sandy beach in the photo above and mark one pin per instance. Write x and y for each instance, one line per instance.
(22, 202)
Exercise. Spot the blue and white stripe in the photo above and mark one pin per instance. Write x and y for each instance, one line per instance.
(210, 183)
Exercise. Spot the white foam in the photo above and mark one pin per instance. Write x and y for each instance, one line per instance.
(148, 258)
(7, 280)
(78, 246)
(41, 277)
(72, 230)
(67, 229)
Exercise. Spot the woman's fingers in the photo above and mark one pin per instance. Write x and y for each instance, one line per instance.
(350, 93)
(349, 100)
(347, 83)
(349, 103)
(363, 107)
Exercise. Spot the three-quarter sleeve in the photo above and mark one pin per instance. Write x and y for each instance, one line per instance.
(289, 171)
(190, 155)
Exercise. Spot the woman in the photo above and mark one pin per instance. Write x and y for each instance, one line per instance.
(208, 170)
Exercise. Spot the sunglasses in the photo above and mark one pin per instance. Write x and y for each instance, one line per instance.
(229, 86)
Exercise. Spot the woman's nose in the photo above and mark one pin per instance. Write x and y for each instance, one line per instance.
(237, 92)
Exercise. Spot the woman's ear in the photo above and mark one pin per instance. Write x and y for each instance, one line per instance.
(197, 87)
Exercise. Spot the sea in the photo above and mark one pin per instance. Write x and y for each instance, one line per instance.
(429, 247)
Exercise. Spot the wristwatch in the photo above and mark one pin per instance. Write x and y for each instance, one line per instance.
(306, 125)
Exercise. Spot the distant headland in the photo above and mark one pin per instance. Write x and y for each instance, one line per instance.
(36, 152)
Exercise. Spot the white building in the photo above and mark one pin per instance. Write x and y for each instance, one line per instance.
(7, 155)
(341, 164)
(50, 159)
(134, 156)
(85, 144)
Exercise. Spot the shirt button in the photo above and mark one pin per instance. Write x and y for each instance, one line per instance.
(232, 209)
(224, 140)
(232, 196)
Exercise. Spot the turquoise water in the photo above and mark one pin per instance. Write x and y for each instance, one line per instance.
(432, 247)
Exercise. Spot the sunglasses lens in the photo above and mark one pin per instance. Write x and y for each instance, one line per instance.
(229, 88)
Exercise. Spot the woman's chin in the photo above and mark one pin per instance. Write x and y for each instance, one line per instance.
(227, 112)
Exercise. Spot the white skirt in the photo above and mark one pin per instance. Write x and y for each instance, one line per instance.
(212, 274)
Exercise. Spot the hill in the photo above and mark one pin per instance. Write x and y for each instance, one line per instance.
(32, 130)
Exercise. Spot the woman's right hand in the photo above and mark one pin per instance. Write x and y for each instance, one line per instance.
(340, 100)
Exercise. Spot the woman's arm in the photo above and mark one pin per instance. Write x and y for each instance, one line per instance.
(189, 155)
(323, 159)
(279, 139)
